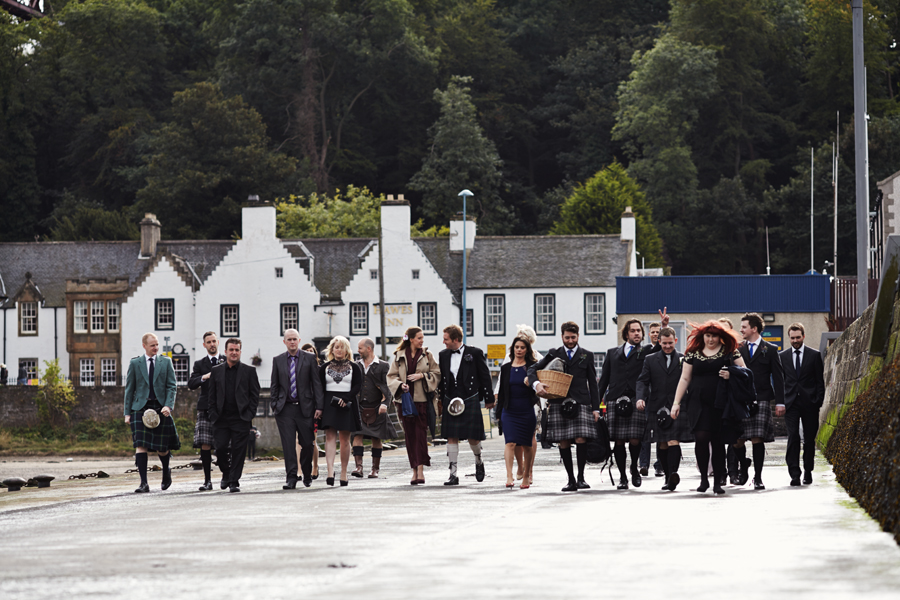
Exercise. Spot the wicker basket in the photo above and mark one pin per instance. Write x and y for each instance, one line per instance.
(557, 383)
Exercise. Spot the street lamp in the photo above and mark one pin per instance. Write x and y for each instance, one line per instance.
(465, 315)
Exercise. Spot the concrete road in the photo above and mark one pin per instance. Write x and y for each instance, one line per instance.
(386, 539)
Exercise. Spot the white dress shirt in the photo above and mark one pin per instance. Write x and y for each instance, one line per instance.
(456, 360)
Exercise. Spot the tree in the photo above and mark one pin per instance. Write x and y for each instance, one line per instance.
(596, 207)
(355, 213)
(73, 220)
(461, 157)
(206, 161)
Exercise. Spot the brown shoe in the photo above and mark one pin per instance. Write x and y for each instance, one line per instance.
(376, 464)
(358, 471)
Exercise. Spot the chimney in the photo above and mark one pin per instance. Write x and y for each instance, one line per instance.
(257, 219)
(150, 229)
(456, 234)
(629, 234)
(395, 219)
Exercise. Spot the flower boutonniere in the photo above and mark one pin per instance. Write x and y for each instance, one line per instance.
(582, 356)
(467, 357)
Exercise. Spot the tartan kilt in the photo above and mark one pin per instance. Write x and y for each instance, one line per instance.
(762, 425)
(161, 439)
(204, 433)
(627, 428)
(469, 425)
(561, 429)
(680, 430)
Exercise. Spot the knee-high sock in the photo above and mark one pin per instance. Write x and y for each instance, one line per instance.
(635, 450)
(164, 459)
(662, 457)
(140, 459)
(621, 458)
(701, 451)
(581, 456)
(206, 459)
(376, 452)
(476, 450)
(453, 455)
(740, 453)
(759, 457)
(357, 450)
(566, 455)
(674, 458)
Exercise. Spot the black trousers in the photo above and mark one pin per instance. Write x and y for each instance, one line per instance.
(231, 460)
(809, 415)
(294, 427)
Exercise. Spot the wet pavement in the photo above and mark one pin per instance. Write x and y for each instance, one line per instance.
(386, 539)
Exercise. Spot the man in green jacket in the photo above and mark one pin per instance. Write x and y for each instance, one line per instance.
(150, 384)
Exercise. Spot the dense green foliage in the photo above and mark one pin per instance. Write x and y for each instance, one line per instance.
(184, 108)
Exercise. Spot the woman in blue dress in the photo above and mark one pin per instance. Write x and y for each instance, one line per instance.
(515, 409)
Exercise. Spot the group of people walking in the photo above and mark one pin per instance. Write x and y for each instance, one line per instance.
(652, 393)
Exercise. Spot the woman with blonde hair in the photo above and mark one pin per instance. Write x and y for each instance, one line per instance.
(341, 380)
(414, 370)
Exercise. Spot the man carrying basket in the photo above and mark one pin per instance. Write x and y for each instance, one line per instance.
(573, 413)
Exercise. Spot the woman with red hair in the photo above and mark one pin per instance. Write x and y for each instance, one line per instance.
(711, 348)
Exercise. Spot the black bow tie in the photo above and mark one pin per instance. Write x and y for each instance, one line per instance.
(456, 352)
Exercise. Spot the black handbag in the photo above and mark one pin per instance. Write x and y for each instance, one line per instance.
(336, 402)
(569, 409)
(598, 450)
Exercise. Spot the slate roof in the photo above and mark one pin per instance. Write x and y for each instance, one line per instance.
(337, 260)
(52, 263)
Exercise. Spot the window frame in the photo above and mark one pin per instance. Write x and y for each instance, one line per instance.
(76, 317)
(29, 372)
(92, 316)
(588, 331)
(81, 372)
(470, 321)
(279, 272)
(282, 318)
(156, 304)
(237, 333)
(110, 316)
(415, 273)
(365, 309)
(33, 318)
(104, 362)
(373, 274)
(419, 307)
(552, 330)
(488, 314)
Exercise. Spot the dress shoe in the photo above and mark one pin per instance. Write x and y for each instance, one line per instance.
(582, 485)
(344, 483)
(316, 476)
(659, 473)
(744, 474)
(807, 478)
(143, 489)
(674, 480)
(290, 485)
(329, 481)
(635, 477)
(307, 481)
(454, 480)
(723, 480)
(795, 482)
(717, 489)
(420, 482)
(223, 484)
(645, 471)
(358, 471)
(758, 484)
(413, 482)
(207, 486)
(479, 472)
(623, 484)
(234, 487)
(704, 485)
(665, 487)
(166, 479)
(572, 486)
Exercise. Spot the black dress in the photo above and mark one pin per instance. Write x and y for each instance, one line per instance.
(334, 381)
(702, 413)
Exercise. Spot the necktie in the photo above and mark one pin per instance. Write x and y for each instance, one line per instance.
(797, 360)
(293, 360)
(569, 352)
(751, 344)
(628, 350)
(152, 391)
(668, 360)
(213, 360)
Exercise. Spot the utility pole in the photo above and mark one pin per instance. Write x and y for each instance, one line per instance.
(381, 289)
(862, 159)
(465, 315)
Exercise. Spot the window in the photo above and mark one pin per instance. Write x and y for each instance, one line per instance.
(290, 317)
(165, 314)
(415, 274)
(544, 314)
(97, 319)
(231, 321)
(112, 316)
(30, 366)
(470, 322)
(87, 371)
(359, 319)
(495, 315)
(428, 317)
(107, 371)
(373, 274)
(80, 324)
(594, 313)
(182, 367)
(28, 315)
(279, 272)
(599, 357)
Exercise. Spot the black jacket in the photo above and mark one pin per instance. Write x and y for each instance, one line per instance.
(473, 376)
(504, 392)
(201, 368)
(583, 388)
(807, 388)
(620, 373)
(309, 383)
(768, 375)
(246, 391)
(733, 397)
(656, 384)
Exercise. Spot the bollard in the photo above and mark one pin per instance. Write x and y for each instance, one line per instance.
(43, 481)
(14, 484)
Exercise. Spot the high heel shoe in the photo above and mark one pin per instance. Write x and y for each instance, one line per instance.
(344, 483)
(704, 485)
(329, 480)
(717, 489)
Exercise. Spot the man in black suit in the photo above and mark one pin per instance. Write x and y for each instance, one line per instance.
(761, 357)
(204, 434)
(464, 375)
(297, 401)
(618, 378)
(655, 390)
(233, 398)
(579, 363)
(804, 393)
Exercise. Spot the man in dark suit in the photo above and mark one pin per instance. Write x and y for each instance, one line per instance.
(804, 393)
(655, 390)
(618, 378)
(374, 396)
(464, 375)
(761, 357)
(579, 363)
(233, 398)
(297, 401)
(204, 435)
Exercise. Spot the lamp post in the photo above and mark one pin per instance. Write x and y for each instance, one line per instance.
(465, 315)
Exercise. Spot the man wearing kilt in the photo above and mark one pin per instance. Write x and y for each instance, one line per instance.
(373, 408)
(655, 390)
(762, 358)
(618, 378)
(203, 429)
(150, 384)
(465, 375)
(579, 363)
